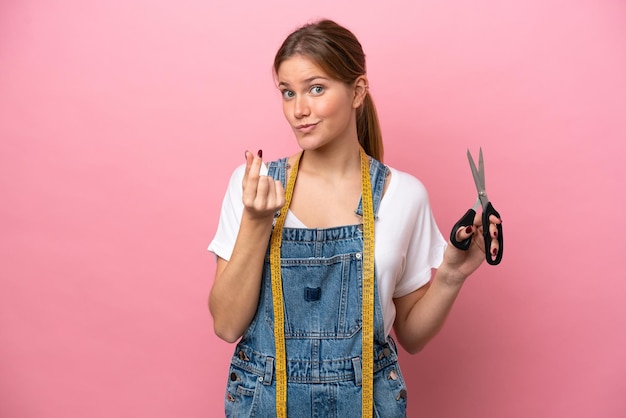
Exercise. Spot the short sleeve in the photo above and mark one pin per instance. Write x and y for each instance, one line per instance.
(417, 237)
(230, 217)
(425, 252)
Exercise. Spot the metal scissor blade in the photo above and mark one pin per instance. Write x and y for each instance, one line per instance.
(479, 176)
(481, 169)
(475, 172)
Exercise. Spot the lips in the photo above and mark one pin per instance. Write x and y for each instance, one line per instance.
(306, 127)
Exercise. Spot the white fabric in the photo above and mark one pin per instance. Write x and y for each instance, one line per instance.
(408, 243)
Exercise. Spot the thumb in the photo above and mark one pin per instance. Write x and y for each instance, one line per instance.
(464, 232)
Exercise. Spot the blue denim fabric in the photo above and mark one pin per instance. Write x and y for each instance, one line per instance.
(322, 280)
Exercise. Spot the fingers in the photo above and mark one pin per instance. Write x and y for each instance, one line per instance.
(262, 195)
(493, 219)
(280, 194)
(493, 233)
(253, 164)
(494, 245)
(250, 178)
(269, 197)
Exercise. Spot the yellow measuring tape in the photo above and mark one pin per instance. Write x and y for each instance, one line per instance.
(367, 354)
(277, 296)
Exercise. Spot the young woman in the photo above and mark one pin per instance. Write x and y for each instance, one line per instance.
(319, 259)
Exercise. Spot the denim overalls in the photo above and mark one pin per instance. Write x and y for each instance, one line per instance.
(321, 272)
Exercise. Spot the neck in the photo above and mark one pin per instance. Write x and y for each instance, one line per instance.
(332, 162)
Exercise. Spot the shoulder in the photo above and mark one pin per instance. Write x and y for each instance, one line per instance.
(405, 186)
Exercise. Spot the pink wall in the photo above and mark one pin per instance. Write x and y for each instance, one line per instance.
(121, 121)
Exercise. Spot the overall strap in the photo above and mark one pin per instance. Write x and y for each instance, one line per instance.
(378, 175)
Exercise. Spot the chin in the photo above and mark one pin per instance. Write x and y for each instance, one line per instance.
(308, 144)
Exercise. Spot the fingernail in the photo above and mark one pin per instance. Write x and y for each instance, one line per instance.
(245, 154)
(495, 234)
(494, 252)
(260, 153)
(468, 230)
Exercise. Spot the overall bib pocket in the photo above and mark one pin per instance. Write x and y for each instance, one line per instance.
(312, 310)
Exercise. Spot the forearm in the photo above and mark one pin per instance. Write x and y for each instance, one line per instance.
(427, 315)
(235, 293)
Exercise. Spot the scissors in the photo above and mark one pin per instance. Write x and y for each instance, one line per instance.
(488, 210)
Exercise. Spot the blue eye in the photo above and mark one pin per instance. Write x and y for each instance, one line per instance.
(287, 94)
(317, 90)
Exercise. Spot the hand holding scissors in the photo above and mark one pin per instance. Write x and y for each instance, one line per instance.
(488, 210)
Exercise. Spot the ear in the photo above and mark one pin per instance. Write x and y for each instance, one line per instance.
(361, 86)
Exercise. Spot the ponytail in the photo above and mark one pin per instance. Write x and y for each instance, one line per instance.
(368, 129)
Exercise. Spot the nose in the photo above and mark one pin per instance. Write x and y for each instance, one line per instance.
(301, 107)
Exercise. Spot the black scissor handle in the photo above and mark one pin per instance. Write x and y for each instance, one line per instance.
(488, 211)
(465, 221)
(468, 220)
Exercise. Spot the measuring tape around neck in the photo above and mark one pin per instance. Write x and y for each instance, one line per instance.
(367, 345)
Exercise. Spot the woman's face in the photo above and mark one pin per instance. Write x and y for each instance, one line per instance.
(319, 109)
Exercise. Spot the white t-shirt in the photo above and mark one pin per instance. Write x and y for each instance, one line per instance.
(407, 242)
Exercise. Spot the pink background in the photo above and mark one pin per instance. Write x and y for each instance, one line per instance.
(121, 121)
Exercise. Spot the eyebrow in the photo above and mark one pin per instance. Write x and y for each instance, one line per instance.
(307, 81)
